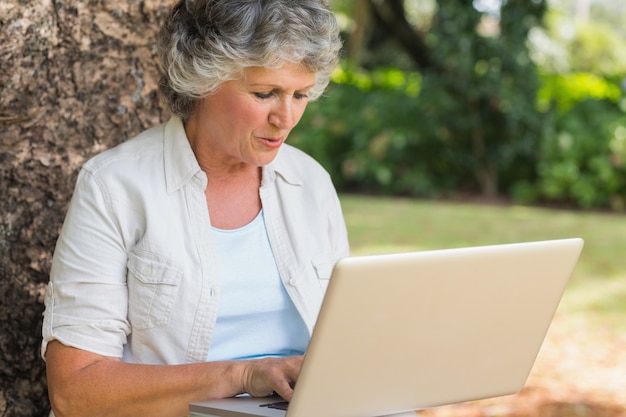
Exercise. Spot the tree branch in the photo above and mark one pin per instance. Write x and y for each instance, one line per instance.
(390, 15)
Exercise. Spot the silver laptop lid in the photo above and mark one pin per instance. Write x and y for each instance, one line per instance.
(401, 332)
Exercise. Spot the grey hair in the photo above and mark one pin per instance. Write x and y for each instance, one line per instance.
(205, 43)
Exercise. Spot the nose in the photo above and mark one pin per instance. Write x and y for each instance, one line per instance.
(282, 115)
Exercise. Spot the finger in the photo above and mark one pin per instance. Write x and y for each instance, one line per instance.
(294, 365)
(291, 368)
(268, 375)
(285, 389)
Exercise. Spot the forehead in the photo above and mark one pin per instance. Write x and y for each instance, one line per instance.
(288, 76)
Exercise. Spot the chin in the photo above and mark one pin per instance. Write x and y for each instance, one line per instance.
(266, 158)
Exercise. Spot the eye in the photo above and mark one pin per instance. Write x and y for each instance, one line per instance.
(263, 96)
(300, 96)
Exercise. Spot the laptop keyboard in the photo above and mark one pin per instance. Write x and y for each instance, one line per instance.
(278, 405)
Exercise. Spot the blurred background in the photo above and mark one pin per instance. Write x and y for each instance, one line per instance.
(448, 123)
(522, 100)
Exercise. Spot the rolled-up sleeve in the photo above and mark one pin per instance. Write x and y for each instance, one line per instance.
(87, 297)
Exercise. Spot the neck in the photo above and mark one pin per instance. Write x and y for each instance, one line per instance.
(217, 166)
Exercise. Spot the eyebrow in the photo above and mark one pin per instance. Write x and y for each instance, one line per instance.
(278, 87)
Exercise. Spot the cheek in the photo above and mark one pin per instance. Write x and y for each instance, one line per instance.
(299, 111)
(238, 110)
(251, 114)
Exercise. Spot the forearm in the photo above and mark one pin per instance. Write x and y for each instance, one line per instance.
(111, 387)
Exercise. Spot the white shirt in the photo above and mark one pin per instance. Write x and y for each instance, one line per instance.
(135, 273)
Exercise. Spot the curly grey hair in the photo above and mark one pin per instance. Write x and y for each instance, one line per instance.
(205, 43)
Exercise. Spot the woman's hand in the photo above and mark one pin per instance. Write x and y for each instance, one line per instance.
(263, 376)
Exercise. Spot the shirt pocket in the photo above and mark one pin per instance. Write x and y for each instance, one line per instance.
(323, 267)
(153, 284)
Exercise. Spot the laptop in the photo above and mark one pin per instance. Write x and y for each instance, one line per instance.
(408, 331)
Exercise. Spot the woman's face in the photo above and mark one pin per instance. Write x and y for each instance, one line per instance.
(248, 119)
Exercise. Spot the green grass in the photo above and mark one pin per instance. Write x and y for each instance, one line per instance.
(597, 292)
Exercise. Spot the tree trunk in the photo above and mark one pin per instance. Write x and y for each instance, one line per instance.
(76, 77)
(356, 41)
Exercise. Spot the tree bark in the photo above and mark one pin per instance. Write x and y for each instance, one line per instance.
(76, 77)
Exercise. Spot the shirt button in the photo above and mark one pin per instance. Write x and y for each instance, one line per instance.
(146, 270)
(293, 282)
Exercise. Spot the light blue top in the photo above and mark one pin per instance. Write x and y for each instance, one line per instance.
(256, 317)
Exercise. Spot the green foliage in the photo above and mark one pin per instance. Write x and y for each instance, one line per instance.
(392, 79)
(595, 45)
(383, 132)
(596, 48)
(569, 89)
(582, 158)
(468, 122)
(480, 119)
(368, 133)
(483, 100)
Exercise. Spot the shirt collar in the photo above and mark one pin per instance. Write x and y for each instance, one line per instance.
(181, 165)
(281, 167)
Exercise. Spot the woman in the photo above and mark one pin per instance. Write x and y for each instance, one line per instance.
(194, 257)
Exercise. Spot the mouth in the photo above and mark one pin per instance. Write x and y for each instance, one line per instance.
(272, 143)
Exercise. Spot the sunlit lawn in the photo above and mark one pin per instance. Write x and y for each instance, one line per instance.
(597, 292)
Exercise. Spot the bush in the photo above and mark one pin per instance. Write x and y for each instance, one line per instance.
(565, 91)
(582, 158)
(397, 133)
(370, 134)
(400, 133)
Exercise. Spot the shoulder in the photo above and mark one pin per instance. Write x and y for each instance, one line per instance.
(144, 147)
